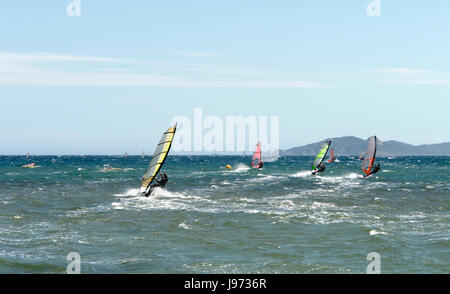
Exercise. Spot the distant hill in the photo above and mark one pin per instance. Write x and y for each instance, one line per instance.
(353, 146)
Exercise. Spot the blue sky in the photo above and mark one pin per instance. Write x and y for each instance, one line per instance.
(111, 80)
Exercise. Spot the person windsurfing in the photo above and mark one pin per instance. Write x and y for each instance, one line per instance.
(320, 169)
(374, 170)
(332, 157)
(256, 161)
(30, 165)
(161, 182)
(318, 166)
(150, 179)
(368, 166)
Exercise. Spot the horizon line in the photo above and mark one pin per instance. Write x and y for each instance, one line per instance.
(211, 155)
(220, 153)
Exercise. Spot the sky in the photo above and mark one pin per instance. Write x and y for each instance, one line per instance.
(111, 80)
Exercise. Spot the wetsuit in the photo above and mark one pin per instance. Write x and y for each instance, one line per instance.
(260, 165)
(321, 168)
(374, 171)
(159, 183)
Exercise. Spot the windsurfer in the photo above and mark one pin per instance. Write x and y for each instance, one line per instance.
(260, 165)
(374, 170)
(321, 168)
(159, 183)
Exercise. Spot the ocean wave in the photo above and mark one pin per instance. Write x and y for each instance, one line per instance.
(130, 192)
(240, 167)
(301, 174)
(264, 178)
(375, 232)
(184, 226)
(351, 176)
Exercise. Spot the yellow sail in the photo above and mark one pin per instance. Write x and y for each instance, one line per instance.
(158, 158)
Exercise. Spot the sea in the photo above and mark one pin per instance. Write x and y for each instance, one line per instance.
(209, 219)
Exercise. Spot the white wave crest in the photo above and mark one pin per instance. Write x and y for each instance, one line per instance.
(375, 232)
(130, 192)
(301, 174)
(184, 226)
(240, 167)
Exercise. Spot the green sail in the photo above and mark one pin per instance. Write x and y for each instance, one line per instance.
(322, 154)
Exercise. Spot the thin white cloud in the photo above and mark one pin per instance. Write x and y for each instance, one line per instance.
(17, 68)
(149, 80)
(414, 76)
(52, 57)
(423, 82)
(210, 69)
(40, 69)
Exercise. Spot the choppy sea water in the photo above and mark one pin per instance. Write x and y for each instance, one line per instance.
(211, 220)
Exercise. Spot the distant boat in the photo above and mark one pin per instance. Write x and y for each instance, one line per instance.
(28, 155)
(143, 155)
(125, 155)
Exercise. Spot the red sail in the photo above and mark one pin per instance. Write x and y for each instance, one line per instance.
(332, 158)
(257, 156)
